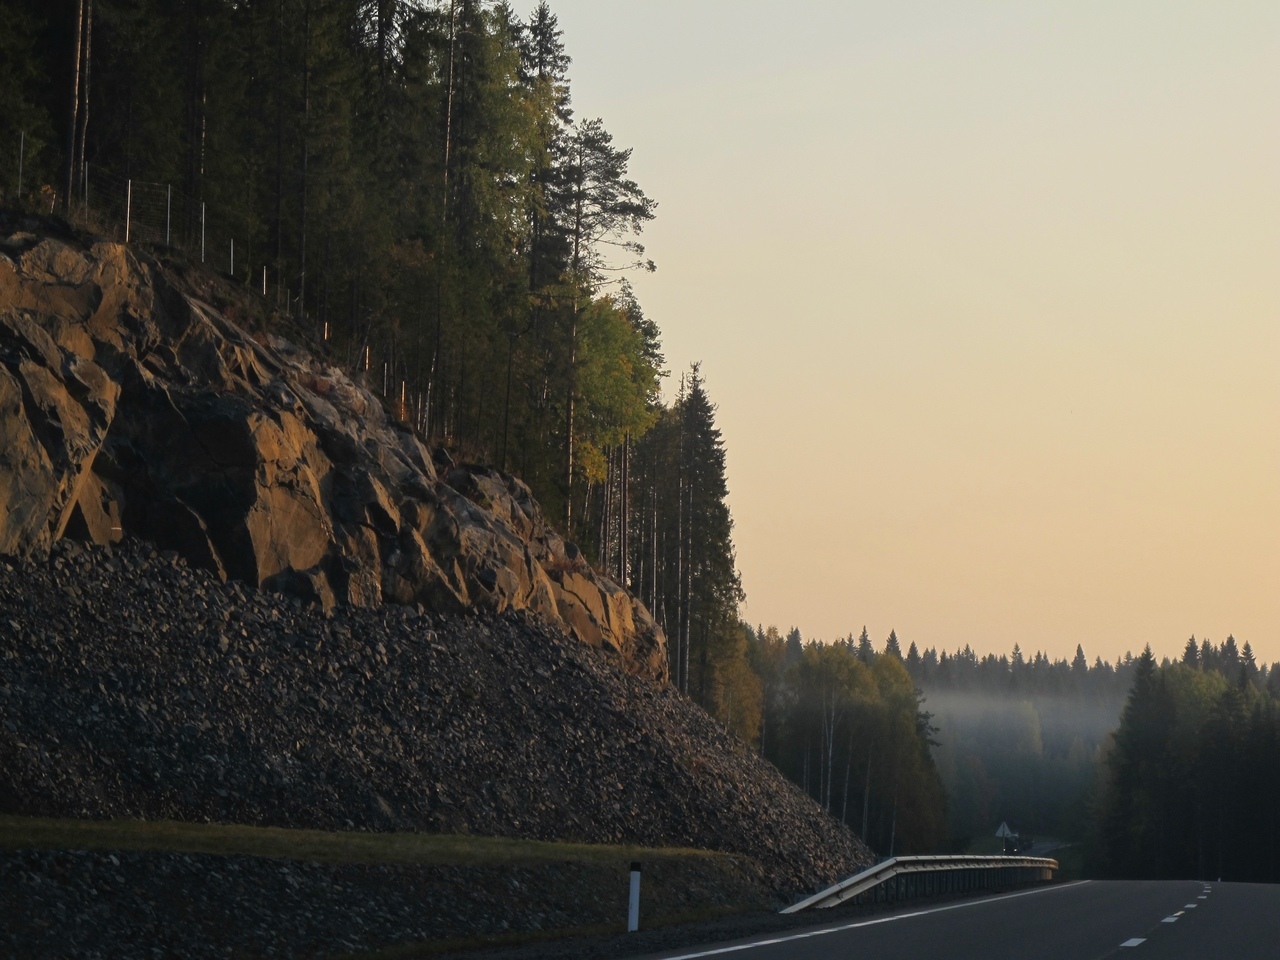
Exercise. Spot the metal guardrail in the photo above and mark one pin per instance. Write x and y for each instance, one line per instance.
(924, 876)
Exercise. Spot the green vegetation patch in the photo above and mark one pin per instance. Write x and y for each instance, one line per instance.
(320, 846)
(413, 951)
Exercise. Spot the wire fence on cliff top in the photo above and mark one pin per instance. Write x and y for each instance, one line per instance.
(138, 211)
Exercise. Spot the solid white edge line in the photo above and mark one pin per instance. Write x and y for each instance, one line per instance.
(719, 951)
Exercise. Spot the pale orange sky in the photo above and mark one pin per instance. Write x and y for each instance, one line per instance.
(988, 295)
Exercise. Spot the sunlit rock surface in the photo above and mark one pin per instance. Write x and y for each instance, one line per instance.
(129, 406)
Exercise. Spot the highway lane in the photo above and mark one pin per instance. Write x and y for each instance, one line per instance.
(1091, 920)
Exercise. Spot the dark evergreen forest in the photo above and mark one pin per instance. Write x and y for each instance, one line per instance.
(1191, 784)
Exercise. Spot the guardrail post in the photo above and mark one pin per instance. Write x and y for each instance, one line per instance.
(633, 905)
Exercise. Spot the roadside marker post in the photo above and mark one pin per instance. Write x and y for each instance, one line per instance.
(633, 909)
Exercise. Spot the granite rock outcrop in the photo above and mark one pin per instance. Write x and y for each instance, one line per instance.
(132, 403)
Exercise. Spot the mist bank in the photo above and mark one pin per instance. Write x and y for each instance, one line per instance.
(1031, 741)
(1028, 760)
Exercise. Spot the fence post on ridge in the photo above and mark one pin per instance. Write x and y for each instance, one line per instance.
(128, 207)
(202, 231)
(168, 211)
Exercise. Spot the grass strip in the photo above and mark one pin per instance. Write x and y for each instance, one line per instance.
(319, 846)
(412, 951)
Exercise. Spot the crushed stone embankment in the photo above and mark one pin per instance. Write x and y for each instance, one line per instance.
(134, 686)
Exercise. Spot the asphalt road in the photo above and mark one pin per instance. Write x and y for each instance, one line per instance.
(1090, 920)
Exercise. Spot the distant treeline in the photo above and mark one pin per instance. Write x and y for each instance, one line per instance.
(1028, 740)
(964, 671)
(875, 735)
(1019, 736)
(1191, 785)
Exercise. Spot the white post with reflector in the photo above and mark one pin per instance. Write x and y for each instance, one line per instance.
(633, 908)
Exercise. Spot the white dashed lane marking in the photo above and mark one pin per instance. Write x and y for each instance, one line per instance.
(824, 931)
(1133, 941)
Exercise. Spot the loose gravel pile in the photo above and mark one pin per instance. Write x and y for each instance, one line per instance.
(133, 686)
(137, 905)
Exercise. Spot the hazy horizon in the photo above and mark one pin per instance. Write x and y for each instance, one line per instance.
(986, 297)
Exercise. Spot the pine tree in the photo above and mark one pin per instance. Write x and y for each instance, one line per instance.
(1191, 654)
(865, 652)
(913, 661)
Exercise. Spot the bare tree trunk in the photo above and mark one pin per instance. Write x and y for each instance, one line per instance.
(83, 131)
(831, 751)
(568, 421)
(385, 14)
(624, 514)
(73, 118)
(806, 763)
(764, 715)
(506, 403)
(306, 116)
(433, 370)
(688, 577)
(279, 148)
(448, 112)
(196, 113)
(866, 797)
(654, 576)
(602, 518)
(682, 657)
(848, 766)
(893, 824)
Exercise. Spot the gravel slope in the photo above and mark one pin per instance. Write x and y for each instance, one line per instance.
(133, 686)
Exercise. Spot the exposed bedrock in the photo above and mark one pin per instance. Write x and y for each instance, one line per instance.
(130, 406)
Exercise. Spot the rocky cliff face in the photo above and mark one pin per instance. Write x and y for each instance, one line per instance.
(131, 403)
